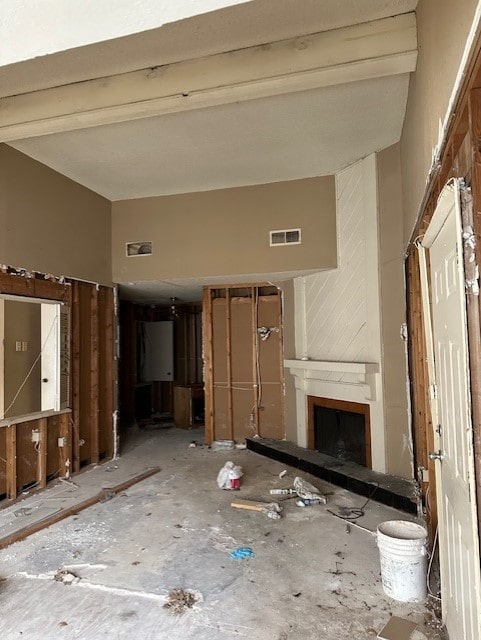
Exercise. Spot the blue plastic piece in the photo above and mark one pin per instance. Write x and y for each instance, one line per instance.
(241, 553)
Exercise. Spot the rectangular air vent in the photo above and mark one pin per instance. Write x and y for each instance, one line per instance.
(138, 249)
(281, 237)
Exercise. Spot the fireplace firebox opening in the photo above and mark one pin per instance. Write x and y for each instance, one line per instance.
(340, 429)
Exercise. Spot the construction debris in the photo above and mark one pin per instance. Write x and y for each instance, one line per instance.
(223, 445)
(229, 477)
(241, 553)
(67, 577)
(270, 509)
(179, 600)
(308, 491)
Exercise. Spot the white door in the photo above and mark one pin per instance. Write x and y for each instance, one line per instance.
(458, 530)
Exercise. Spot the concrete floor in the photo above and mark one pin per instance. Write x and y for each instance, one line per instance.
(309, 579)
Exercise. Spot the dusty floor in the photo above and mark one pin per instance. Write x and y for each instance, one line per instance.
(309, 579)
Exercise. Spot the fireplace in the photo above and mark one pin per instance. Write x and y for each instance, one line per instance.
(340, 429)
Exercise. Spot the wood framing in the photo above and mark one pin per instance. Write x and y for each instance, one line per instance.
(244, 374)
(31, 464)
(460, 157)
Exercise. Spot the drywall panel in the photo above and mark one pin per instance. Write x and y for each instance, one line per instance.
(226, 232)
(393, 312)
(50, 223)
(443, 28)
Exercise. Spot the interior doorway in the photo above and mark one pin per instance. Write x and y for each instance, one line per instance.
(452, 421)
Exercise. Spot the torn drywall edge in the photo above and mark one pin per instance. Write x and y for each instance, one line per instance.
(437, 152)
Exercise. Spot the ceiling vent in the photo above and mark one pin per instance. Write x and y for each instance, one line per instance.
(282, 237)
(138, 249)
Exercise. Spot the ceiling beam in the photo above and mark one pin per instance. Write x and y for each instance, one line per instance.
(360, 52)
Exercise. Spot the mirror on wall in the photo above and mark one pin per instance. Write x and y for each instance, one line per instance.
(34, 356)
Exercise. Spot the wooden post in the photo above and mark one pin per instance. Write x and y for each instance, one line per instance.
(94, 374)
(473, 301)
(110, 371)
(65, 452)
(281, 357)
(208, 370)
(42, 454)
(75, 376)
(255, 371)
(230, 415)
(11, 452)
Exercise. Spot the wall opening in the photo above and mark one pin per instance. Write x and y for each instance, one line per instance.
(340, 429)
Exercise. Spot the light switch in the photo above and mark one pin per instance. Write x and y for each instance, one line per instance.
(18, 345)
(24, 346)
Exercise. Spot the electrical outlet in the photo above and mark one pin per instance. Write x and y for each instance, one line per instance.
(35, 435)
(62, 442)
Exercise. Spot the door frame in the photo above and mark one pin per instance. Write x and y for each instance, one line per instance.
(457, 206)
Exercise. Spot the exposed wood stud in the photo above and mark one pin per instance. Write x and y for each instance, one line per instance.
(94, 374)
(208, 371)
(75, 376)
(42, 454)
(472, 217)
(65, 452)
(255, 361)
(230, 417)
(11, 454)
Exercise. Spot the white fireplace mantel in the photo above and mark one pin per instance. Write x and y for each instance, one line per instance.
(356, 381)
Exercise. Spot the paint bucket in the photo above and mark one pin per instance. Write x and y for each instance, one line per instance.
(403, 557)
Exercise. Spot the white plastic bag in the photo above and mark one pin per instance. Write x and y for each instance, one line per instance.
(228, 476)
(308, 491)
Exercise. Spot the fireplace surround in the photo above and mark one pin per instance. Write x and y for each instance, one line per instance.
(340, 429)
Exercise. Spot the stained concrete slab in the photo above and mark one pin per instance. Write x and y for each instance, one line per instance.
(307, 579)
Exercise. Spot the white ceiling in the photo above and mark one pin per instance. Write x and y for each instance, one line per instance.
(236, 27)
(285, 137)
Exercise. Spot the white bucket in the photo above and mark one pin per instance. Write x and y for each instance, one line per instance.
(402, 551)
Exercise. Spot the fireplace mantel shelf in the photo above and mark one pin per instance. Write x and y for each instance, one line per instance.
(362, 368)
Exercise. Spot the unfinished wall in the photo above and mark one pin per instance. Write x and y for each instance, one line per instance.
(88, 428)
(338, 312)
(50, 223)
(226, 232)
(443, 27)
(393, 311)
(243, 371)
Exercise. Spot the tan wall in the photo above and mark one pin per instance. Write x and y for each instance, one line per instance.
(50, 223)
(443, 26)
(393, 312)
(225, 232)
(22, 323)
(290, 408)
